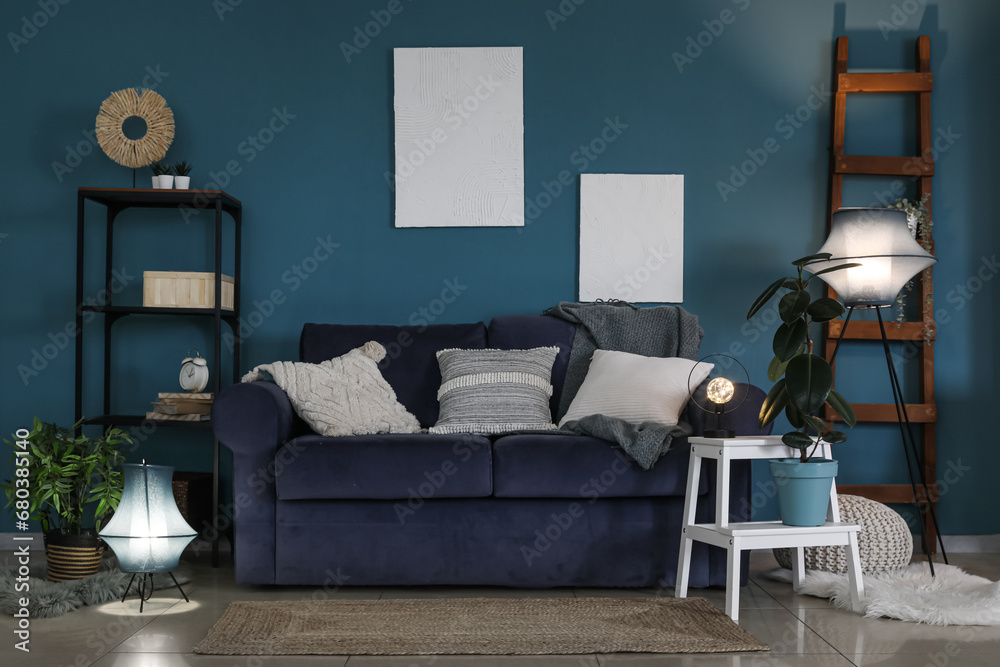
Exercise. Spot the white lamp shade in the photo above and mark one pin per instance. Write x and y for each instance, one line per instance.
(147, 531)
(879, 240)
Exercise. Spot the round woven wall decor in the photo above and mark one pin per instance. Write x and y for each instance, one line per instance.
(884, 541)
(150, 107)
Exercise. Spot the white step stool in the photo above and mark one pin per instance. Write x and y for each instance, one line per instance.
(738, 537)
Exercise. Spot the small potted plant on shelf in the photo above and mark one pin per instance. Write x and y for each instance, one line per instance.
(58, 483)
(167, 177)
(158, 170)
(182, 178)
(803, 385)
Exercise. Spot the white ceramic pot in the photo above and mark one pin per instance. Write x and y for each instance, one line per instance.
(166, 182)
(182, 182)
(156, 182)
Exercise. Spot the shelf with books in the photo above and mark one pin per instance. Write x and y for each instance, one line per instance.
(115, 201)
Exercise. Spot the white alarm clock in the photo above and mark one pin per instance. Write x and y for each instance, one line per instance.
(194, 372)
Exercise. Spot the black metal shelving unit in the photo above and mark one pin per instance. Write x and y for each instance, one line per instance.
(117, 200)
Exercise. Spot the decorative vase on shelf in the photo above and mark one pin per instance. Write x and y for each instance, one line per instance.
(156, 182)
(182, 182)
(166, 181)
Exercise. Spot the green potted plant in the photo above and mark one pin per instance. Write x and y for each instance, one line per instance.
(158, 170)
(803, 385)
(182, 179)
(67, 475)
(166, 177)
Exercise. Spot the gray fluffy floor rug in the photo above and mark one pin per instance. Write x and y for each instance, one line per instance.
(48, 599)
(953, 597)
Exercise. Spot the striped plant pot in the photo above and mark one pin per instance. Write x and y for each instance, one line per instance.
(72, 556)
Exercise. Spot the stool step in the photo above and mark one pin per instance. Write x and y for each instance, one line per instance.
(774, 528)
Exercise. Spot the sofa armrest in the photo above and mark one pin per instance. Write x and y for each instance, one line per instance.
(743, 419)
(253, 420)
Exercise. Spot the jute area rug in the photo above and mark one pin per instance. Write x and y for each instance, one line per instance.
(476, 626)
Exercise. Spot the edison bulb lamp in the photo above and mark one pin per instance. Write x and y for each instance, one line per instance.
(719, 392)
(879, 240)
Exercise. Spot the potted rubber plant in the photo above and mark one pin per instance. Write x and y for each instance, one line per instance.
(803, 386)
(66, 476)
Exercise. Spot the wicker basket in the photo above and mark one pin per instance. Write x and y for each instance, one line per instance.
(193, 493)
(72, 556)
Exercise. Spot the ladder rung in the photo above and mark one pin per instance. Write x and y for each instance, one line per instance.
(889, 165)
(919, 413)
(888, 493)
(910, 331)
(885, 82)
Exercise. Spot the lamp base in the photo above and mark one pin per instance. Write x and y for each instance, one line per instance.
(145, 587)
(719, 433)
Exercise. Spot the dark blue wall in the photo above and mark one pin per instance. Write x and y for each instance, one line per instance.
(226, 74)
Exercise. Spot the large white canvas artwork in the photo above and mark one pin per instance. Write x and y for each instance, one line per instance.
(632, 237)
(459, 158)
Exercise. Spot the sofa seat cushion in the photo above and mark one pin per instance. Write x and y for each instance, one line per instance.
(416, 466)
(577, 466)
(410, 365)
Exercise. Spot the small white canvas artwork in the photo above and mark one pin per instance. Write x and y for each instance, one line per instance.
(632, 237)
(459, 159)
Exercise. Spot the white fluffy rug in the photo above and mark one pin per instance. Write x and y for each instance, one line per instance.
(953, 597)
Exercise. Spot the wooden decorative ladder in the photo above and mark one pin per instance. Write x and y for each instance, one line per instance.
(920, 334)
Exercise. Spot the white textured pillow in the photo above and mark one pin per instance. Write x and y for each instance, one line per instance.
(636, 388)
(346, 395)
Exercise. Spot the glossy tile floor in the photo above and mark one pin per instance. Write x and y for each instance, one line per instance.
(802, 631)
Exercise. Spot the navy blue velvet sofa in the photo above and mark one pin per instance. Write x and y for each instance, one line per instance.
(518, 510)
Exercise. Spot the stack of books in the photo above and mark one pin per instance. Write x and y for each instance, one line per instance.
(182, 406)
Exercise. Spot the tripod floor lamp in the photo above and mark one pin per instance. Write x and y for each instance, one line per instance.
(879, 240)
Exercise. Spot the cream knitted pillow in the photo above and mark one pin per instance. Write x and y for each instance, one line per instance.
(346, 395)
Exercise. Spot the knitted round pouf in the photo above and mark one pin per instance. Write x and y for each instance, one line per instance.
(884, 541)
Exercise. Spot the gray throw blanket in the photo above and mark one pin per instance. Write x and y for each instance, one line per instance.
(660, 331)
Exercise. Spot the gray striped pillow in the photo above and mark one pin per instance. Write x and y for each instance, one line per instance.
(495, 391)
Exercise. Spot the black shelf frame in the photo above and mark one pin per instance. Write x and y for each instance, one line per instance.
(117, 200)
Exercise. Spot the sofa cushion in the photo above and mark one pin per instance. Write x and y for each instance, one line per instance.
(346, 395)
(523, 332)
(636, 388)
(410, 364)
(495, 391)
(577, 466)
(415, 466)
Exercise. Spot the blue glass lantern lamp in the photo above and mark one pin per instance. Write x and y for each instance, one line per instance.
(879, 240)
(722, 394)
(147, 531)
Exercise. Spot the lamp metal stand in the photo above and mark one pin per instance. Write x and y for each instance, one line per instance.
(909, 442)
(146, 581)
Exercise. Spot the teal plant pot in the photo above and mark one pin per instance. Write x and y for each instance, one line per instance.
(803, 490)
